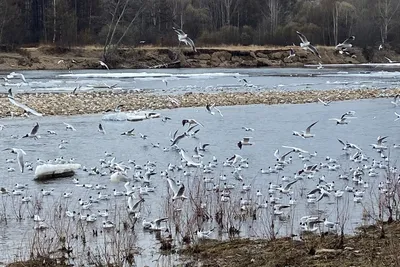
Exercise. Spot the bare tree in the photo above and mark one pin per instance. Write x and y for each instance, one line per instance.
(386, 9)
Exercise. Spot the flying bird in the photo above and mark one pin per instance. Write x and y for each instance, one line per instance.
(177, 191)
(183, 37)
(103, 64)
(33, 132)
(292, 53)
(244, 142)
(346, 44)
(326, 103)
(306, 45)
(307, 133)
(20, 105)
(101, 129)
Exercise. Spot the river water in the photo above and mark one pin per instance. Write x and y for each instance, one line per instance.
(178, 81)
(273, 126)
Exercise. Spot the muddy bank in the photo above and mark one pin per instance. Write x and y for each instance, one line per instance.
(368, 247)
(48, 57)
(98, 102)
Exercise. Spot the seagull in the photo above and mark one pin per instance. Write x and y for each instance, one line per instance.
(342, 119)
(306, 45)
(395, 101)
(20, 105)
(178, 138)
(346, 44)
(182, 37)
(397, 115)
(178, 191)
(20, 157)
(33, 132)
(190, 122)
(130, 132)
(69, 126)
(380, 143)
(323, 193)
(154, 225)
(320, 67)
(15, 75)
(133, 206)
(307, 133)
(247, 129)
(390, 61)
(292, 53)
(281, 158)
(174, 101)
(103, 64)
(324, 102)
(101, 129)
(245, 141)
(211, 107)
(286, 189)
(296, 149)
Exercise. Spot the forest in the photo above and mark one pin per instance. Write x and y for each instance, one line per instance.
(208, 22)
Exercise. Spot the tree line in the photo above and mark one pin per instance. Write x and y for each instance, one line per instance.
(208, 22)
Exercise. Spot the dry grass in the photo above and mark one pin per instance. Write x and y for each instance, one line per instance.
(367, 248)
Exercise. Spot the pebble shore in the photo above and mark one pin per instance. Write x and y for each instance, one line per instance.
(99, 102)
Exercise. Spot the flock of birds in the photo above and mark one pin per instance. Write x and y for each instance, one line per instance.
(224, 183)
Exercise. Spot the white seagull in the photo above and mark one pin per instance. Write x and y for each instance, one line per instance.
(33, 132)
(326, 103)
(69, 126)
(20, 157)
(307, 133)
(183, 37)
(306, 45)
(20, 105)
(177, 191)
(346, 43)
(103, 64)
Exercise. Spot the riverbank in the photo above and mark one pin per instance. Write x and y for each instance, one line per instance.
(50, 57)
(100, 102)
(368, 247)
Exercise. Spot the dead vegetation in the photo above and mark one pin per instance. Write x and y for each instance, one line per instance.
(366, 248)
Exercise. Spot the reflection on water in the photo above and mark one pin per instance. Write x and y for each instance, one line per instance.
(273, 126)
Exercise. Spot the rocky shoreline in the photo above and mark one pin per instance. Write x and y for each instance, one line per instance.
(51, 58)
(100, 102)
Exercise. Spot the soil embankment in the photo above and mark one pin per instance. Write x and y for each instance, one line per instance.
(49, 57)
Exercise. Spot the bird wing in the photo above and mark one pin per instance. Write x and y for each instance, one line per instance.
(208, 108)
(191, 44)
(276, 154)
(173, 186)
(314, 191)
(20, 158)
(314, 50)
(218, 110)
(246, 139)
(204, 146)
(351, 38)
(26, 108)
(191, 128)
(283, 157)
(380, 139)
(35, 129)
(181, 190)
(309, 127)
(178, 138)
(323, 102)
(158, 221)
(101, 127)
(343, 143)
(302, 37)
(287, 187)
